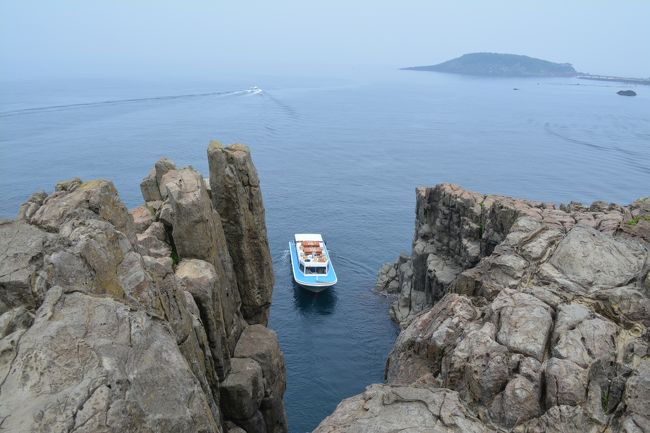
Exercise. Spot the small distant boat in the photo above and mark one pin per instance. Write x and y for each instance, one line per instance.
(310, 262)
(254, 90)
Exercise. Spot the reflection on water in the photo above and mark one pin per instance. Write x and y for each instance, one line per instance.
(310, 303)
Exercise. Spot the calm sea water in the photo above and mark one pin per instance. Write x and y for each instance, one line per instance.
(340, 157)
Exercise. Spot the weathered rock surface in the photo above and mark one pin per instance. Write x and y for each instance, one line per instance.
(386, 409)
(114, 322)
(90, 364)
(261, 344)
(143, 216)
(535, 317)
(243, 389)
(151, 186)
(236, 195)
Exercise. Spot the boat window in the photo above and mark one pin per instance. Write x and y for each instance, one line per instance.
(302, 268)
(316, 270)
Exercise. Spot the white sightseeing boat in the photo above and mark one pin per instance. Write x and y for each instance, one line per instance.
(310, 262)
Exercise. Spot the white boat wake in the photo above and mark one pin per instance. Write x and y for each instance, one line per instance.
(253, 90)
(285, 258)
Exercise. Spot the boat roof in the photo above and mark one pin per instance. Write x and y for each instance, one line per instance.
(300, 237)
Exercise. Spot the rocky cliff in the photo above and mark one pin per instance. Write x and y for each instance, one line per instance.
(141, 321)
(516, 316)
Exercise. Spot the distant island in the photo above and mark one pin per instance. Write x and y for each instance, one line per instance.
(500, 65)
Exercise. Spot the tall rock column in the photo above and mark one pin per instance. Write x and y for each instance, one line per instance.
(197, 233)
(237, 197)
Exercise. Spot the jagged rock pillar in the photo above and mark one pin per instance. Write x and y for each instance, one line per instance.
(237, 197)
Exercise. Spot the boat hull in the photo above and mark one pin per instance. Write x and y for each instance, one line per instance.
(313, 283)
(313, 289)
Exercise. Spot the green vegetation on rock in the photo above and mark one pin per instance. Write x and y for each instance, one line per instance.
(634, 221)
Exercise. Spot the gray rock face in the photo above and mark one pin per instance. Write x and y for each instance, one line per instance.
(222, 321)
(111, 322)
(607, 262)
(196, 230)
(142, 218)
(236, 195)
(535, 317)
(386, 409)
(196, 227)
(96, 198)
(22, 247)
(153, 242)
(261, 344)
(525, 323)
(243, 390)
(74, 370)
(151, 186)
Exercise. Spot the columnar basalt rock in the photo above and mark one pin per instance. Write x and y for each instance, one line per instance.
(111, 322)
(151, 186)
(236, 195)
(534, 316)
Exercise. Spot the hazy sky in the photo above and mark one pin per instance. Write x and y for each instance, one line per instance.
(200, 38)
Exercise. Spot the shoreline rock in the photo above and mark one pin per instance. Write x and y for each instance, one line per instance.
(113, 322)
(534, 316)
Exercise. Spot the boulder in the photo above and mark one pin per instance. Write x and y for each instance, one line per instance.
(479, 367)
(566, 383)
(142, 216)
(607, 262)
(153, 241)
(30, 207)
(243, 389)
(524, 323)
(518, 402)
(68, 185)
(387, 279)
(261, 344)
(222, 320)
(22, 247)
(92, 199)
(420, 348)
(151, 186)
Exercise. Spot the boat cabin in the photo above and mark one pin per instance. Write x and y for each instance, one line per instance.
(311, 256)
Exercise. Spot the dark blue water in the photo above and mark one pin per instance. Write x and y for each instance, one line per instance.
(341, 157)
